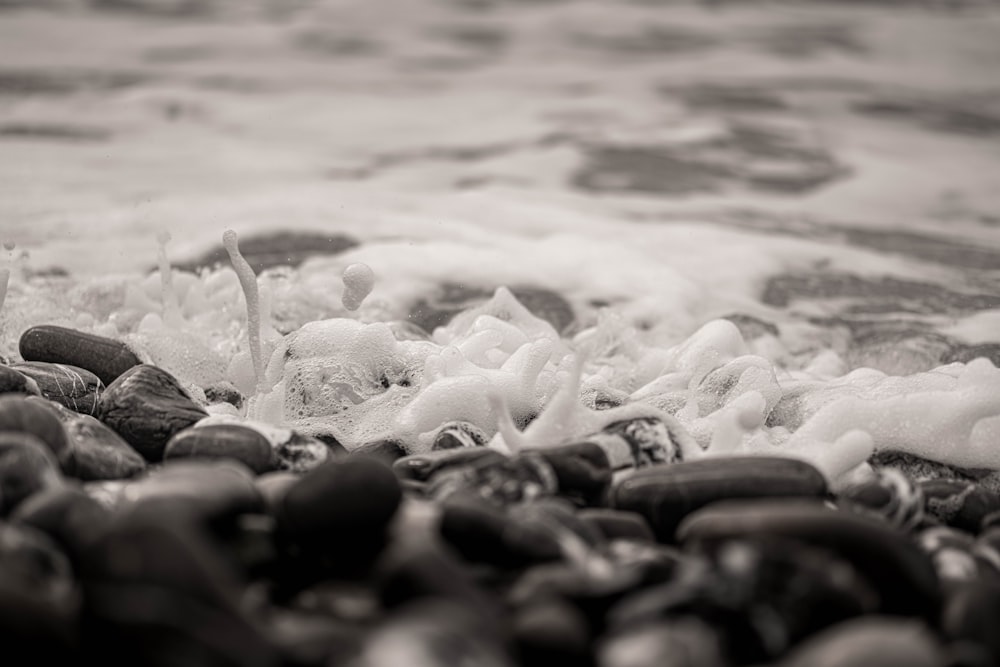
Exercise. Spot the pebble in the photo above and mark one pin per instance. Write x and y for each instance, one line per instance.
(309, 639)
(224, 392)
(35, 416)
(104, 357)
(665, 494)
(222, 441)
(300, 453)
(900, 572)
(972, 615)
(68, 515)
(551, 632)
(72, 387)
(891, 496)
(272, 487)
(685, 641)
(958, 503)
(147, 406)
(95, 451)
(505, 481)
(422, 467)
(386, 451)
(618, 524)
(211, 491)
(870, 641)
(637, 443)
(583, 472)
(458, 434)
(951, 551)
(26, 468)
(14, 382)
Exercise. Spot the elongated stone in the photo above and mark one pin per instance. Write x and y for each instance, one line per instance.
(901, 573)
(582, 470)
(96, 452)
(70, 386)
(665, 494)
(104, 357)
(13, 382)
(422, 467)
(36, 416)
(147, 406)
(870, 641)
(209, 490)
(223, 441)
(642, 442)
(958, 503)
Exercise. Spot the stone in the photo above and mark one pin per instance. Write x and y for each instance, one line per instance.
(222, 441)
(301, 453)
(147, 406)
(551, 632)
(104, 357)
(951, 551)
(665, 494)
(272, 487)
(642, 442)
(972, 614)
(309, 639)
(871, 641)
(13, 382)
(903, 576)
(70, 386)
(422, 467)
(95, 451)
(618, 524)
(891, 495)
(209, 491)
(26, 468)
(224, 392)
(505, 481)
(958, 503)
(685, 641)
(386, 451)
(582, 470)
(66, 514)
(35, 416)
(458, 434)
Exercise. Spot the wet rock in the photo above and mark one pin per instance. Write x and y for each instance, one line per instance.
(224, 392)
(104, 357)
(272, 487)
(551, 632)
(210, 491)
(582, 470)
(34, 416)
(422, 467)
(637, 443)
(870, 641)
(313, 640)
(72, 387)
(986, 551)
(66, 514)
(958, 503)
(95, 451)
(222, 441)
(301, 453)
(13, 382)
(665, 494)
(951, 552)
(147, 406)
(158, 592)
(891, 495)
(281, 248)
(903, 576)
(453, 298)
(26, 468)
(386, 451)
(458, 434)
(502, 482)
(618, 525)
(685, 641)
(971, 615)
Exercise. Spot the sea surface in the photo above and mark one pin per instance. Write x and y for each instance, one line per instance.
(829, 171)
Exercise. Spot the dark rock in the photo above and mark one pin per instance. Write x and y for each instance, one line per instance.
(339, 502)
(891, 495)
(508, 480)
(458, 434)
(273, 486)
(282, 248)
(26, 468)
(665, 494)
(159, 593)
(104, 357)
(618, 525)
(72, 387)
(582, 470)
(386, 451)
(453, 298)
(300, 453)
(34, 416)
(222, 441)
(68, 515)
(211, 491)
(224, 392)
(951, 552)
(986, 551)
(147, 406)
(958, 503)
(685, 641)
(637, 443)
(13, 382)
(95, 451)
(972, 614)
(901, 573)
(551, 632)
(871, 641)
(313, 640)
(422, 467)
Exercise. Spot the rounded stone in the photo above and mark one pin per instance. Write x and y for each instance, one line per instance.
(870, 641)
(208, 490)
(67, 514)
(147, 406)
(26, 468)
(13, 382)
(958, 503)
(104, 357)
(35, 416)
(222, 441)
(582, 470)
(618, 524)
(70, 386)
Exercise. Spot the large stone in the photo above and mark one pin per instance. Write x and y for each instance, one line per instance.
(95, 451)
(104, 357)
(35, 416)
(70, 386)
(870, 641)
(26, 468)
(223, 441)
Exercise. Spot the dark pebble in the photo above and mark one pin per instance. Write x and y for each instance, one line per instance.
(67, 515)
(458, 434)
(959, 503)
(301, 453)
(685, 641)
(210, 491)
(72, 387)
(222, 441)
(422, 467)
(637, 443)
(901, 573)
(972, 614)
(26, 468)
(273, 486)
(224, 392)
(147, 406)
(35, 416)
(386, 451)
(951, 551)
(551, 632)
(891, 496)
(339, 501)
(104, 357)
(583, 472)
(13, 382)
(618, 524)
(508, 480)
(872, 642)
(665, 494)
(95, 451)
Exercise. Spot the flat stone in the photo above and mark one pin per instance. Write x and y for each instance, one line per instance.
(104, 357)
(422, 467)
(72, 387)
(147, 406)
